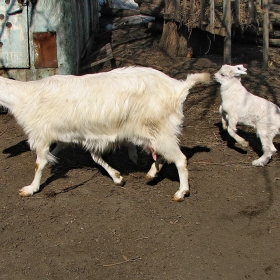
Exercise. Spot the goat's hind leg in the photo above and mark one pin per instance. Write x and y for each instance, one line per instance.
(268, 149)
(41, 162)
(172, 153)
(114, 174)
(232, 132)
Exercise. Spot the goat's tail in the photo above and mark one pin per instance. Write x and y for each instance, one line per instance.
(193, 79)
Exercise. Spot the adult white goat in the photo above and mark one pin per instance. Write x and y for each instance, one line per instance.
(138, 105)
(240, 106)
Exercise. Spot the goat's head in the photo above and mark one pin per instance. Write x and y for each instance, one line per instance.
(229, 71)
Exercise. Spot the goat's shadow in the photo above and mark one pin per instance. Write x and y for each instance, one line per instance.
(75, 157)
(16, 150)
(251, 137)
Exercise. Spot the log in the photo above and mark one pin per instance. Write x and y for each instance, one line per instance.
(274, 34)
(153, 8)
(274, 15)
(111, 12)
(272, 42)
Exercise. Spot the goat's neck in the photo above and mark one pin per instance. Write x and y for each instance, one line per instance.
(233, 83)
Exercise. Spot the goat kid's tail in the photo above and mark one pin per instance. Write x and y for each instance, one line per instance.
(193, 79)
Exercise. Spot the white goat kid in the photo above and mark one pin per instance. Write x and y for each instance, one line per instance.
(137, 105)
(240, 106)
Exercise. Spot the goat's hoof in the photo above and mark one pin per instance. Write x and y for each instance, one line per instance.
(25, 192)
(149, 177)
(120, 182)
(179, 197)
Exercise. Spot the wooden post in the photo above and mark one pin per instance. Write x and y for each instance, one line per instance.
(251, 8)
(202, 13)
(227, 25)
(265, 34)
(237, 12)
(212, 16)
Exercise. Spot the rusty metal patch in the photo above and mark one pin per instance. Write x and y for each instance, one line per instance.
(45, 50)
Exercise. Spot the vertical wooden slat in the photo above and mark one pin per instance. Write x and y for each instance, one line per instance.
(237, 12)
(265, 33)
(202, 11)
(212, 16)
(251, 8)
(227, 25)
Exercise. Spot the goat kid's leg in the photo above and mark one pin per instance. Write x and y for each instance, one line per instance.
(224, 118)
(232, 132)
(155, 168)
(114, 174)
(40, 164)
(268, 149)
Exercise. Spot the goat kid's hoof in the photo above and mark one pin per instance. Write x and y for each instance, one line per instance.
(258, 163)
(243, 146)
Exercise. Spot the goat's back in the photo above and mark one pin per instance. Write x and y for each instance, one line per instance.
(126, 100)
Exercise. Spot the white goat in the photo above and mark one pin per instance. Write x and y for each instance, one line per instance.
(240, 106)
(138, 105)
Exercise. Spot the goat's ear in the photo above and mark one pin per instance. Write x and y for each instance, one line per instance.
(231, 73)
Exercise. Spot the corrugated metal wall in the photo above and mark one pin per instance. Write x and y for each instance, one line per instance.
(58, 29)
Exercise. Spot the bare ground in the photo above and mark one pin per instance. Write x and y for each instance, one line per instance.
(81, 226)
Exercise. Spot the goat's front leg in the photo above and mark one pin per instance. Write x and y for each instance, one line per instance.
(40, 164)
(232, 132)
(268, 149)
(115, 175)
(155, 168)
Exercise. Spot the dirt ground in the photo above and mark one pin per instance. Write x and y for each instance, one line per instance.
(81, 226)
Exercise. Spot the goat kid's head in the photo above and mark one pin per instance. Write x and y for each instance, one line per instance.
(229, 71)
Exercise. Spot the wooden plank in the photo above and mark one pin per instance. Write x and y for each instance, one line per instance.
(252, 10)
(227, 25)
(212, 16)
(265, 34)
(237, 12)
(202, 12)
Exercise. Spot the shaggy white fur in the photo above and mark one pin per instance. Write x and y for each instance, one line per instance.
(138, 105)
(240, 106)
